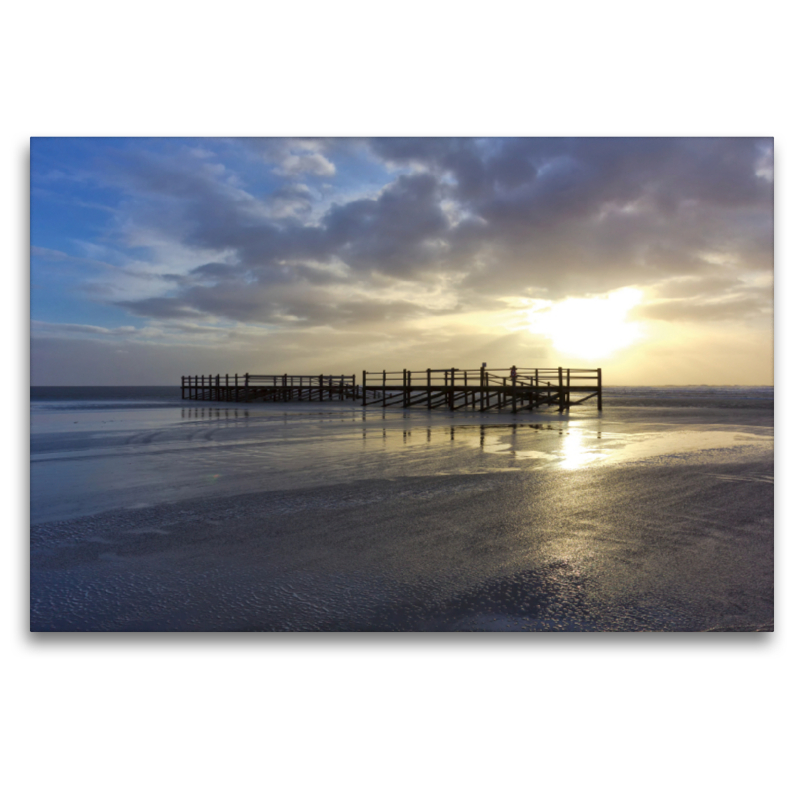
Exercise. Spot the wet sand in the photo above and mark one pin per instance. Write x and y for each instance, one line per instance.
(326, 517)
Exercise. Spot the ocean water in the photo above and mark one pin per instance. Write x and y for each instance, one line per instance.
(153, 513)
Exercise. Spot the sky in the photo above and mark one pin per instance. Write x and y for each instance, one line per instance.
(153, 258)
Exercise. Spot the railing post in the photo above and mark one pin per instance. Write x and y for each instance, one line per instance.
(429, 388)
(599, 389)
(560, 390)
(363, 388)
(452, 388)
(514, 392)
(569, 393)
(483, 381)
(384, 388)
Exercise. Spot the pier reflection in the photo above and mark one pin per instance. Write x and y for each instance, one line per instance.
(566, 447)
(214, 413)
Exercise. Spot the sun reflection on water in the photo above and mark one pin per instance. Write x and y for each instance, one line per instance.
(577, 452)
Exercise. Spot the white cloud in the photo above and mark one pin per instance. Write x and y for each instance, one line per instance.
(294, 165)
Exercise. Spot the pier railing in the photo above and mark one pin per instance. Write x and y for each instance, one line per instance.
(249, 387)
(512, 388)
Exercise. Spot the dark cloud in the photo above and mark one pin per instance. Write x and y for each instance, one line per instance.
(399, 233)
(521, 216)
(292, 200)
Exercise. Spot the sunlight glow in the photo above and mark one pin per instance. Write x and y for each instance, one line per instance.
(577, 452)
(589, 327)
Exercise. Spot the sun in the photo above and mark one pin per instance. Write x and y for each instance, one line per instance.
(589, 327)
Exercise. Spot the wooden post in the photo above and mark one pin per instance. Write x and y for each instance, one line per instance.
(483, 380)
(514, 392)
(363, 388)
(429, 388)
(452, 388)
(384, 388)
(599, 389)
(569, 393)
(560, 391)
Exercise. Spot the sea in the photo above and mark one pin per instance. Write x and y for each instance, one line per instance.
(153, 513)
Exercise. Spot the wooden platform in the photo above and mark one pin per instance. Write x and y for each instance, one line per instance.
(512, 389)
(249, 388)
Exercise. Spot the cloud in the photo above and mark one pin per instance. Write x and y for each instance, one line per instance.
(306, 164)
(485, 218)
(161, 308)
(754, 303)
(40, 327)
(401, 232)
(292, 200)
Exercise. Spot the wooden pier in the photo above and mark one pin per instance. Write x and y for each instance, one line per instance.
(511, 389)
(249, 388)
(483, 389)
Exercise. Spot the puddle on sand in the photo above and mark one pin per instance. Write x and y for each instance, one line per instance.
(571, 448)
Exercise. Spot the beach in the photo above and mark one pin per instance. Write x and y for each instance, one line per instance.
(149, 513)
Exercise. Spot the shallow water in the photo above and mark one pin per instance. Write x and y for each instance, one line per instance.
(155, 514)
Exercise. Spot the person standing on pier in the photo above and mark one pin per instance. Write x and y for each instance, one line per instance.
(513, 373)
